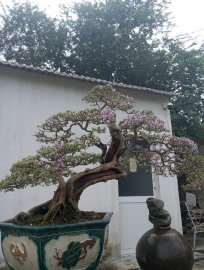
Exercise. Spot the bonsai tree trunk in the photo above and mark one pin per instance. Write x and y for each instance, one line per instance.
(66, 197)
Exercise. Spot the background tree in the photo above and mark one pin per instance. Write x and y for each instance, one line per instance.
(114, 40)
(29, 36)
(187, 71)
(118, 40)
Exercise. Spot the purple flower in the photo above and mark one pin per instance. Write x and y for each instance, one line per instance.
(185, 142)
(144, 120)
(130, 101)
(108, 115)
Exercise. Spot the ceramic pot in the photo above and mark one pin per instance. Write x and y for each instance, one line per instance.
(164, 249)
(54, 247)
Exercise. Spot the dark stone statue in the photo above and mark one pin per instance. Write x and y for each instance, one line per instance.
(157, 215)
(163, 248)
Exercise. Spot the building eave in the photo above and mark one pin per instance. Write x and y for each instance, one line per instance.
(73, 76)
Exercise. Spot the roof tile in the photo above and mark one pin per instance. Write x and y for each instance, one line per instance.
(82, 78)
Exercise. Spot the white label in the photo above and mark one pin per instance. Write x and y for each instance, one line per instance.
(133, 164)
(191, 199)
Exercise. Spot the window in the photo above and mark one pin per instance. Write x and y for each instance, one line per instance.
(137, 184)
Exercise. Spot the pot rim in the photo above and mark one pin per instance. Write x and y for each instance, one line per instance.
(8, 224)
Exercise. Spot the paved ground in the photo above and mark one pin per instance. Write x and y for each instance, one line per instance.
(129, 263)
(126, 263)
(198, 251)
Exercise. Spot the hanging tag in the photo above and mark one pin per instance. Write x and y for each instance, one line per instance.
(133, 164)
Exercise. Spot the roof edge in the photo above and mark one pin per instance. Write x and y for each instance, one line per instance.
(73, 76)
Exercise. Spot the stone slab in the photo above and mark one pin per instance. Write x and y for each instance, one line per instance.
(119, 264)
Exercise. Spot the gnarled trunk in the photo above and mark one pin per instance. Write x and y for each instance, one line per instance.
(66, 198)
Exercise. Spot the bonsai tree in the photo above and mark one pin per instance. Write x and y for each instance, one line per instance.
(71, 141)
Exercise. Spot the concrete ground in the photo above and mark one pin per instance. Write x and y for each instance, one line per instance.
(198, 250)
(130, 263)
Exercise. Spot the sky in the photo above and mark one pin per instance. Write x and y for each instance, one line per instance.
(188, 15)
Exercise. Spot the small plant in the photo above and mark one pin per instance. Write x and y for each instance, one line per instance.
(73, 140)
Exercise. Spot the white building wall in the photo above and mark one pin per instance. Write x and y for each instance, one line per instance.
(26, 100)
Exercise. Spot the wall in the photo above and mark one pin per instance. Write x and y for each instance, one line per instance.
(26, 100)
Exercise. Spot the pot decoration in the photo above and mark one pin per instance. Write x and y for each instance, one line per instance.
(55, 247)
(163, 248)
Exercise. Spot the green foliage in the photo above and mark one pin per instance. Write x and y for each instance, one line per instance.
(113, 40)
(29, 36)
(195, 178)
(188, 73)
(28, 172)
